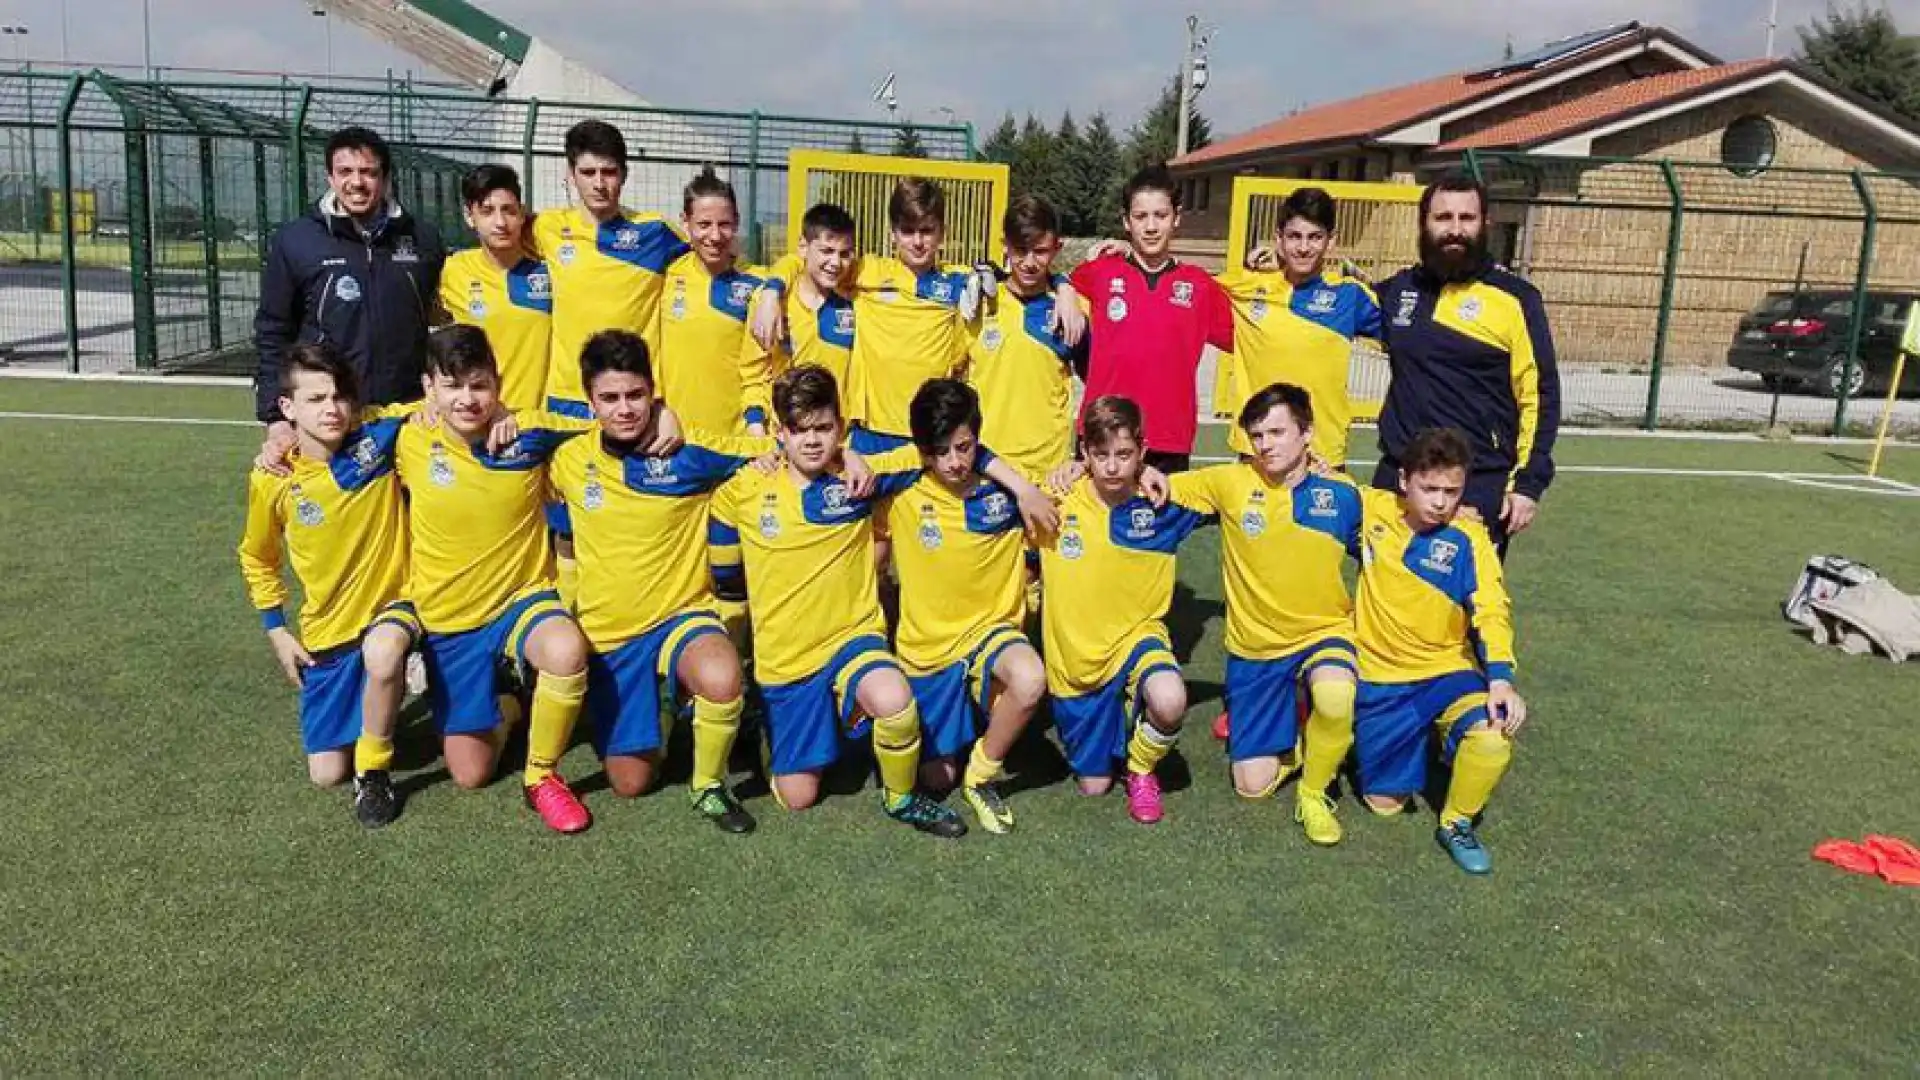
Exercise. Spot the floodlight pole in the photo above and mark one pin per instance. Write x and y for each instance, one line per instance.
(146, 36)
(1193, 60)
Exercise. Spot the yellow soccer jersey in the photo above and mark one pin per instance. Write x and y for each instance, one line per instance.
(477, 520)
(1302, 336)
(808, 554)
(640, 529)
(706, 370)
(1282, 552)
(606, 276)
(1429, 603)
(344, 533)
(962, 567)
(1107, 578)
(515, 308)
(1024, 374)
(822, 336)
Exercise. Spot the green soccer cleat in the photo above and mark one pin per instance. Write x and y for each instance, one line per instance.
(1459, 841)
(718, 805)
(925, 815)
(990, 807)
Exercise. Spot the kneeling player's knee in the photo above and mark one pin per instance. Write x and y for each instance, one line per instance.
(798, 792)
(384, 651)
(630, 777)
(886, 697)
(1166, 696)
(469, 777)
(1256, 778)
(330, 768)
(940, 775)
(1333, 698)
(1095, 785)
(719, 682)
(1025, 682)
(557, 647)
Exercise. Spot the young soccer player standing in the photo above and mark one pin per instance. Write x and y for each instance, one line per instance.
(501, 288)
(1108, 580)
(715, 382)
(960, 557)
(337, 513)
(641, 517)
(1435, 635)
(1152, 317)
(818, 312)
(1285, 537)
(482, 574)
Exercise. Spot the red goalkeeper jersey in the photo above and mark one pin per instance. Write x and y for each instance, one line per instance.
(1148, 333)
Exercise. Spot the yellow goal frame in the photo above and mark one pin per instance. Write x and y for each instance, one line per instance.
(973, 212)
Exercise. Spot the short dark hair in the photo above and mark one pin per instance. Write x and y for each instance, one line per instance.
(356, 137)
(1311, 204)
(806, 389)
(940, 408)
(319, 358)
(1297, 402)
(1028, 218)
(596, 137)
(484, 180)
(1150, 178)
(1435, 448)
(614, 350)
(1110, 416)
(458, 350)
(826, 219)
(916, 200)
(1452, 180)
(707, 185)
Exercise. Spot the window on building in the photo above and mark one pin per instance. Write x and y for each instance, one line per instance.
(1748, 146)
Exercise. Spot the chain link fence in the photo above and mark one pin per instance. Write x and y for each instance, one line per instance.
(1689, 295)
(134, 215)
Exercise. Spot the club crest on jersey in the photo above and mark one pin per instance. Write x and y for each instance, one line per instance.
(566, 253)
(659, 470)
(1469, 309)
(1257, 311)
(1440, 556)
(930, 535)
(1116, 309)
(1322, 302)
(404, 251)
(1183, 293)
(1403, 308)
(540, 285)
(679, 309)
(347, 288)
(1139, 523)
(770, 516)
(995, 508)
(476, 301)
(990, 338)
(305, 510)
(833, 499)
(1252, 521)
(365, 452)
(594, 496)
(1322, 503)
(626, 238)
(439, 469)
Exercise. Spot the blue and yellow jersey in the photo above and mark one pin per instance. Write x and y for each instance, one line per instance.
(478, 520)
(961, 560)
(1302, 336)
(1107, 578)
(1024, 374)
(705, 367)
(821, 336)
(606, 276)
(640, 529)
(808, 553)
(910, 331)
(515, 309)
(1429, 603)
(344, 535)
(1282, 551)
(1476, 356)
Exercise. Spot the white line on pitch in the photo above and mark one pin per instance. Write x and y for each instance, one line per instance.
(191, 420)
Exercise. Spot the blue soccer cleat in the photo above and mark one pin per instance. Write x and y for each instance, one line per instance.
(1458, 838)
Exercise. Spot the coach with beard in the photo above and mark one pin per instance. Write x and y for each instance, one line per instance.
(1469, 349)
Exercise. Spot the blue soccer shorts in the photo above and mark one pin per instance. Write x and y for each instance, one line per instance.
(806, 718)
(462, 668)
(625, 684)
(1268, 698)
(332, 689)
(954, 699)
(1094, 728)
(1393, 724)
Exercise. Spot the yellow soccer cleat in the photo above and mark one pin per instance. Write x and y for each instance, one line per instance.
(990, 807)
(1314, 811)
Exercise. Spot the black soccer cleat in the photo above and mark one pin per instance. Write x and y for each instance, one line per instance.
(375, 802)
(718, 805)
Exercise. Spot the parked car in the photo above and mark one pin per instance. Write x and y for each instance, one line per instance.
(1800, 339)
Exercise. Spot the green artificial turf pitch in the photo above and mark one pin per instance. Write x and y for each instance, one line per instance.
(176, 897)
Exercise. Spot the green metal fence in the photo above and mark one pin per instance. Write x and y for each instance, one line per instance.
(134, 215)
(1648, 268)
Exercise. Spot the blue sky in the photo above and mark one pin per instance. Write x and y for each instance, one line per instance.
(977, 57)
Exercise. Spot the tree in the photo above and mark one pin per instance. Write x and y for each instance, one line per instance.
(1097, 181)
(1036, 166)
(906, 143)
(1155, 137)
(1861, 50)
(1068, 152)
(1002, 145)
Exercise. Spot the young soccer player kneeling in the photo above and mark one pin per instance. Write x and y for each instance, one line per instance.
(961, 558)
(1108, 577)
(646, 599)
(337, 511)
(1435, 632)
(1285, 534)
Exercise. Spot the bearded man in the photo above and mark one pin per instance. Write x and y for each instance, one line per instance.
(1469, 349)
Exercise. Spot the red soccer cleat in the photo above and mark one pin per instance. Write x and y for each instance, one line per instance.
(554, 801)
(1222, 726)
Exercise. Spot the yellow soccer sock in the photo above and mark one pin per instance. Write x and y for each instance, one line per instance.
(556, 705)
(566, 573)
(1148, 747)
(714, 726)
(981, 769)
(896, 749)
(1478, 765)
(372, 753)
(1329, 733)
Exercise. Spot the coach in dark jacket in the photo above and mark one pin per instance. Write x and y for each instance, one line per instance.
(357, 271)
(1469, 349)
